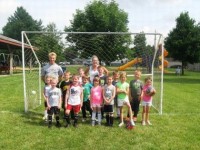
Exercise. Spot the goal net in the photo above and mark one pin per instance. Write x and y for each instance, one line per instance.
(115, 50)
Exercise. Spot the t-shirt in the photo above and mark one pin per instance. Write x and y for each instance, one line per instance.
(46, 89)
(136, 88)
(74, 95)
(96, 95)
(86, 91)
(64, 86)
(122, 86)
(103, 80)
(52, 70)
(108, 92)
(146, 98)
(54, 95)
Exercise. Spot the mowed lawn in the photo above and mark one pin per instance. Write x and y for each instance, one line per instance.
(177, 128)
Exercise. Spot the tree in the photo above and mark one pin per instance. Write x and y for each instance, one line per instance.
(49, 43)
(20, 21)
(140, 44)
(183, 42)
(100, 16)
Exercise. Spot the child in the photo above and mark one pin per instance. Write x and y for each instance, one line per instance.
(114, 82)
(45, 92)
(135, 93)
(102, 75)
(122, 89)
(96, 100)
(86, 97)
(108, 96)
(64, 86)
(147, 93)
(73, 100)
(81, 73)
(54, 102)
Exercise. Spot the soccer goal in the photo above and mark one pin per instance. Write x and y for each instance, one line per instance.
(116, 50)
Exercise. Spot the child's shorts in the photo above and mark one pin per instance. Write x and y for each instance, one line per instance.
(108, 108)
(53, 110)
(96, 105)
(75, 108)
(144, 103)
(122, 102)
(45, 104)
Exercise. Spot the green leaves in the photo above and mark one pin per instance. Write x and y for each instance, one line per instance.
(184, 40)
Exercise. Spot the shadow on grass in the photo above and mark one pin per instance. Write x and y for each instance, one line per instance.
(188, 79)
(34, 118)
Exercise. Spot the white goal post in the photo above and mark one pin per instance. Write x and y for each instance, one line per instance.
(94, 43)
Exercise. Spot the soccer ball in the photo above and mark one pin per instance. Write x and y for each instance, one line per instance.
(149, 90)
(33, 92)
(129, 126)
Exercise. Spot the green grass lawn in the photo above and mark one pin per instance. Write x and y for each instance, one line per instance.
(176, 128)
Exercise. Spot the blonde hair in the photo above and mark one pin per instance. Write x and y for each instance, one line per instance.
(94, 56)
(52, 54)
(123, 74)
(115, 72)
(75, 76)
(67, 72)
(137, 71)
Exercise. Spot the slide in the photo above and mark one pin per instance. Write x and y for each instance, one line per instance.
(165, 61)
(129, 64)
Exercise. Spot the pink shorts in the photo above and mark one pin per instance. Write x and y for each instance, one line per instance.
(75, 108)
(96, 105)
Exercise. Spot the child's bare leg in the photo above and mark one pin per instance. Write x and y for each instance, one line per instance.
(121, 113)
(143, 115)
(130, 113)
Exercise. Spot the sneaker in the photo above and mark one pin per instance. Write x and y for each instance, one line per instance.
(121, 124)
(149, 123)
(93, 122)
(143, 123)
(132, 123)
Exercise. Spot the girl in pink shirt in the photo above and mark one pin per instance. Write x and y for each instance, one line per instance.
(96, 100)
(147, 93)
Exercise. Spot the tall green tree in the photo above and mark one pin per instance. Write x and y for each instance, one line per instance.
(20, 21)
(140, 44)
(100, 16)
(183, 42)
(51, 42)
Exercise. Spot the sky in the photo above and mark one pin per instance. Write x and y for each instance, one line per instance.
(143, 15)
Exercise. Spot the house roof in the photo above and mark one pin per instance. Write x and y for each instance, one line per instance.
(14, 44)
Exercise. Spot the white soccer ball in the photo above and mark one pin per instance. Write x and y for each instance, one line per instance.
(33, 92)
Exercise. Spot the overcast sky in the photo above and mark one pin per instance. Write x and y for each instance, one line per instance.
(144, 15)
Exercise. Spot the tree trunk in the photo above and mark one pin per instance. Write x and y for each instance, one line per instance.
(183, 66)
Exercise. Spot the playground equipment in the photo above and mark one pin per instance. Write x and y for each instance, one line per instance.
(133, 62)
(165, 62)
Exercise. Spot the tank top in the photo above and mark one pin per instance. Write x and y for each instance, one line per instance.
(92, 73)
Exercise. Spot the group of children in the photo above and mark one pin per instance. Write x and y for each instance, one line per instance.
(97, 96)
